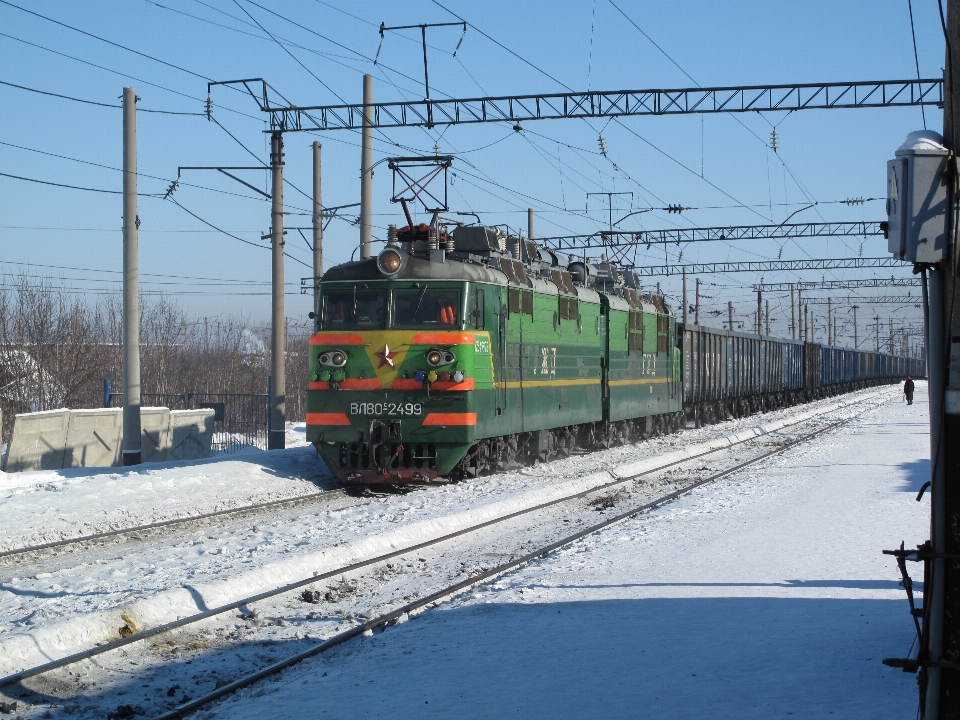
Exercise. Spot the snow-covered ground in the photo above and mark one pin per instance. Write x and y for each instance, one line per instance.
(761, 596)
(752, 597)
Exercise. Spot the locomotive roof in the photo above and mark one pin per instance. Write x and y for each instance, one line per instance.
(470, 267)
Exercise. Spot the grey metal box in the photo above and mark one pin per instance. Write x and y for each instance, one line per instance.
(917, 199)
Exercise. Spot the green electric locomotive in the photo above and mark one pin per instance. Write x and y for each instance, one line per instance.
(453, 354)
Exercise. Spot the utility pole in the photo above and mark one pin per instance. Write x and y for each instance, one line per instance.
(890, 345)
(685, 306)
(366, 171)
(793, 317)
(877, 330)
(806, 324)
(317, 227)
(730, 314)
(530, 223)
(766, 314)
(131, 284)
(696, 309)
(759, 312)
(830, 340)
(276, 439)
(855, 343)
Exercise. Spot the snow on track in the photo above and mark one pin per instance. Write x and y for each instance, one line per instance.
(765, 594)
(53, 614)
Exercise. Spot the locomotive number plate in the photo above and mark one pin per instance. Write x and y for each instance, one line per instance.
(386, 408)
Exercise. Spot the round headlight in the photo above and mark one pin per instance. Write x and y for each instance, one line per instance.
(389, 261)
(338, 358)
(435, 357)
(324, 359)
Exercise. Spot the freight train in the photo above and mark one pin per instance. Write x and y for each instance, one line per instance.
(455, 353)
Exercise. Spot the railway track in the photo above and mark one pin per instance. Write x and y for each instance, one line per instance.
(468, 582)
(448, 590)
(83, 543)
(97, 539)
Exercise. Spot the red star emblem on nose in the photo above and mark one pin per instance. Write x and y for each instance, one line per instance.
(386, 357)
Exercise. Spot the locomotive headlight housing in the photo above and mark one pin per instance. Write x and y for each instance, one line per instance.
(333, 358)
(437, 357)
(390, 260)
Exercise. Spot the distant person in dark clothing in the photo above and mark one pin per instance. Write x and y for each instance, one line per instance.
(908, 390)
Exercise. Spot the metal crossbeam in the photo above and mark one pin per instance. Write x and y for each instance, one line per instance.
(839, 284)
(625, 238)
(767, 266)
(878, 300)
(620, 103)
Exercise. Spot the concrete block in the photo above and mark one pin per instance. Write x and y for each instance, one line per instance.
(191, 434)
(38, 441)
(154, 434)
(94, 438)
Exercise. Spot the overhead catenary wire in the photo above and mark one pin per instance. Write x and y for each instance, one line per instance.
(93, 102)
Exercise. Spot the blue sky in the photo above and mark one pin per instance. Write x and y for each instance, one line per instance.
(824, 156)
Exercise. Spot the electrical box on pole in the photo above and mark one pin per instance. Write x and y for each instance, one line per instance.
(918, 185)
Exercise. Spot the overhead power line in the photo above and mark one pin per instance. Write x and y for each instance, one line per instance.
(72, 187)
(766, 266)
(839, 284)
(878, 300)
(614, 104)
(93, 102)
(628, 238)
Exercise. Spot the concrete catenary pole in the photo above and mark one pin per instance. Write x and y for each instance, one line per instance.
(793, 317)
(685, 306)
(366, 171)
(806, 324)
(278, 398)
(890, 342)
(730, 315)
(856, 344)
(829, 321)
(766, 315)
(696, 307)
(877, 332)
(759, 312)
(317, 226)
(530, 223)
(131, 284)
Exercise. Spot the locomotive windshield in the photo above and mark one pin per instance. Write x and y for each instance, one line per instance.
(354, 308)
(426, 308)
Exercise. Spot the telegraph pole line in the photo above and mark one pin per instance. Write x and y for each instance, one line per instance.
(276, 439)
(131, 284)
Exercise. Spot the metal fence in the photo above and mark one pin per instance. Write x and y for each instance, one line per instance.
(240, 420)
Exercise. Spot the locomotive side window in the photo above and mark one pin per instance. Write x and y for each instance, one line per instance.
(476, 311)
(354, 308)
(513, 300)
(426, 308)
